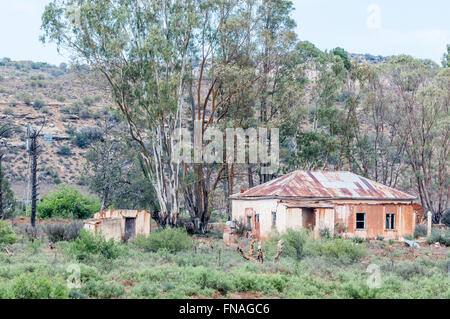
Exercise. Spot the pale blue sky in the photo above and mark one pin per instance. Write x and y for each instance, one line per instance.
(385, 27)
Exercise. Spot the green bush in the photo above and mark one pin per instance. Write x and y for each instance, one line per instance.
(86, 136)
(64, 151)
(214, 280)
(38, 286)
(295, 240)
(67, 202)
(446, 217)
(38, 104)
(441, 236)
(338, 248)
(102, 289)
(407, 269)
(88, 244)
(170, 239)
(420, 231)
(324, 232)
(7, 235)
(58, 232)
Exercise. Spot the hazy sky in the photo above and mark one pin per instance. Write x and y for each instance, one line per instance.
(385, 27)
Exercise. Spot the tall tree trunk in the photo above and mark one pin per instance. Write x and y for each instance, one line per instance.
(1, 188)
(34, 194)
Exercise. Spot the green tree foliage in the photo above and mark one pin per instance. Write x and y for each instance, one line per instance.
(67, 202)
(446, 58)
(115, 174)
(296, 241)
(9, 202)
(7, 235)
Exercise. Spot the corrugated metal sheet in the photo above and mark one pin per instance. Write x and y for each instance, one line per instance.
(323, 184)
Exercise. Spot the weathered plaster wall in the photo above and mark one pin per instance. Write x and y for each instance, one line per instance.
(343, 214)
(263, 207)
(143, 219)
(109, 227)
(376, 220)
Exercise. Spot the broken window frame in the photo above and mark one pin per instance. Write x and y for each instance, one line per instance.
(249, 222)
(360, 221)
(274, 219)
(390, 221)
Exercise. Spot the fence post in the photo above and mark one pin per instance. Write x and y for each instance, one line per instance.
(428, 223)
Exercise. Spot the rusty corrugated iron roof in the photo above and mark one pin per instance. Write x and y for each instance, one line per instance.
(323, 184)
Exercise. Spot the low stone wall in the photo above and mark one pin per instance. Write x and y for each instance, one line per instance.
(108, 227)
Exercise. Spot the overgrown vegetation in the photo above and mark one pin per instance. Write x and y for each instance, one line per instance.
(170, 239)
(59, 232)
(161, 267)
(67, 202)
(441, 236)
(7, 235)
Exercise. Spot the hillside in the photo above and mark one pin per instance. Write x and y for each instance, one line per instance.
(66, 100)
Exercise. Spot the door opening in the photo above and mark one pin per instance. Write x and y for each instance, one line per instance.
(130, 228)
(308, 219)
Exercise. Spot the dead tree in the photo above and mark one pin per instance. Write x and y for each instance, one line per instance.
(251, 251)
(244, 255)
(279, 251)
(260, 255)
(34, 154)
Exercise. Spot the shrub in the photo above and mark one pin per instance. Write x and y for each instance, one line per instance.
(8, 111)
(407, 269)
(336, 248)
(86, 136)
(102, 289)
(358, 240)
(441, 236)
(446, 217)
(88, 244)
(296, 241)
(214, 280)
(380, 237)
(240, 227)
(420, 231)
(38, 286)
(170, 239)
(64, 151)
(38, 104)
(7, 235)
(324, 232)
(67, 202)
(26, 98)
(58, 232)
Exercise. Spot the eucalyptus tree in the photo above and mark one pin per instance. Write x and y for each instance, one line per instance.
(422, 103)
(141, 48)
(276, 40)
(151, 52)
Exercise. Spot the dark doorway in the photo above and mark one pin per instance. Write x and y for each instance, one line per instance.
(308, 218)
(130, 228)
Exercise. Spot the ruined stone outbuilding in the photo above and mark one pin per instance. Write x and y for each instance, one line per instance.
(121, 224)
(339, 202)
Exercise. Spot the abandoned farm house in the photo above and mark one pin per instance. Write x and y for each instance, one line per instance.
(342, 202)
